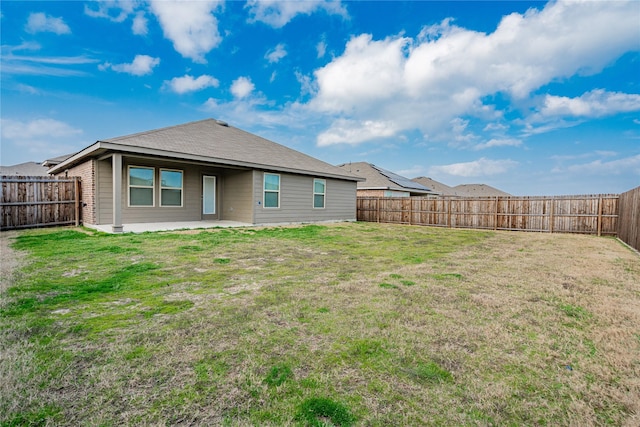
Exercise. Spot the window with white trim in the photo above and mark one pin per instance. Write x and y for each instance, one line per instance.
(319, 193)
(141, 186)
(171, 187)
(271, 187)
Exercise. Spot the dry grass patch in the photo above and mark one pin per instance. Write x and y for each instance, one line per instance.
(293, 326)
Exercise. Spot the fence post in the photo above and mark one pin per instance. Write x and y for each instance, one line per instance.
(410, 210)
(76, 196)
(449, 213)
(495, 223)
(599, 216)
(378, 209)
(553, 199)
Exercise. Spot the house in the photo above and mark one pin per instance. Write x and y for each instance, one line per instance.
(383, 183)
(463, 190)
(478, 190)
(206, 170)
(49, 163)
(435, 186)
(24, 169)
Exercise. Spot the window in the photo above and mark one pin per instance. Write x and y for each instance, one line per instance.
(319, 191)
(141, 186)
(271, 190)
(170, 187)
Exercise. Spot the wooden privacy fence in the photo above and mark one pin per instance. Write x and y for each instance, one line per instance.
(39, 201)
(593, 214)
(629, 218)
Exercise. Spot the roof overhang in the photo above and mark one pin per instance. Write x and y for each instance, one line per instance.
(101, 148)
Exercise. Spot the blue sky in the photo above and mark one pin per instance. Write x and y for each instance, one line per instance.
(533, 98)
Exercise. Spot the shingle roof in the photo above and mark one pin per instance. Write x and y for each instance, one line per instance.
(379, 178)
(215, 141)
(478, 190)
(24, 169)
(434, 185)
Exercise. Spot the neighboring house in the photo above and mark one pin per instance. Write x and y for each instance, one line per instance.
(383, 183)
(478, 190)
(24, 169)
(206, 170)
(49, 163)
(435, 186)
(464, 190)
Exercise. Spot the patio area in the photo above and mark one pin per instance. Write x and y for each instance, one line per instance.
(168, 226)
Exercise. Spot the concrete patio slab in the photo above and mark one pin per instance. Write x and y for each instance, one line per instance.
(168, 226)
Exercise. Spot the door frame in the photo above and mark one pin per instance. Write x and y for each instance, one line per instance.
(216, 208)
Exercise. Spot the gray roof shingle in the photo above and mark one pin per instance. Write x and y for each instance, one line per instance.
(217, 142)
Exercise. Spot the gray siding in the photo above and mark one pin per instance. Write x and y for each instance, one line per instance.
(296, 200)
(104, 199)
(191, 209)
(237, 196)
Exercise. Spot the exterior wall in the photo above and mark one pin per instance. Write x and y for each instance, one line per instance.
(191, 209)
(383, 193)
(104, 188)
(237, 196)
(370, 193)
(296, 200)
(86, 172)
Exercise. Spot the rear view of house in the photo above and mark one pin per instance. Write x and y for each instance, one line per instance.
(206, 170)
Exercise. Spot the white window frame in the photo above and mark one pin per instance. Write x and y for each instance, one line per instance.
(264, 190)
(152, 187)
(181, 188)
(324, 194)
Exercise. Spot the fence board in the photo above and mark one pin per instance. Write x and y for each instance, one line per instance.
(629, 220)
(588, 214)
(30, 201)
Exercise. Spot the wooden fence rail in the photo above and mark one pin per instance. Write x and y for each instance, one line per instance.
(629, 218)
(39, 201)
(591, 214)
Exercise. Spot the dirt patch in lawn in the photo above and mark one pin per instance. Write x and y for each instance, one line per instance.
(396, 325)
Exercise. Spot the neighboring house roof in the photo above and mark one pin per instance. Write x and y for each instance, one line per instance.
(434, 185)
(378, 178)
(24, 169)
(478, 190)
(56, 160)
(211, 141)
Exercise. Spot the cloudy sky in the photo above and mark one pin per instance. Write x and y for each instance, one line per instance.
(533, 98)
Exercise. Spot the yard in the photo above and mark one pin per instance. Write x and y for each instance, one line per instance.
(345, 324)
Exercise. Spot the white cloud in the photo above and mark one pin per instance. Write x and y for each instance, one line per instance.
(15, 129)
(141, 65)
(39, 137)
(321, 48)
(480, 167)
(40, 65)
(497, 142)
(190, 25)
(41, 23)
(113, 10)
(276, 54)
(447, 71)
(596, 103)
(242, 87)
(278, 13)
(188, 83)
(352, 132)
(612, 167)
(139, 26)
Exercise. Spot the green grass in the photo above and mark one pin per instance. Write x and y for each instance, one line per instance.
(349, 324)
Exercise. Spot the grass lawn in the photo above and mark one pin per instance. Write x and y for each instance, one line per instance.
(345, 324)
